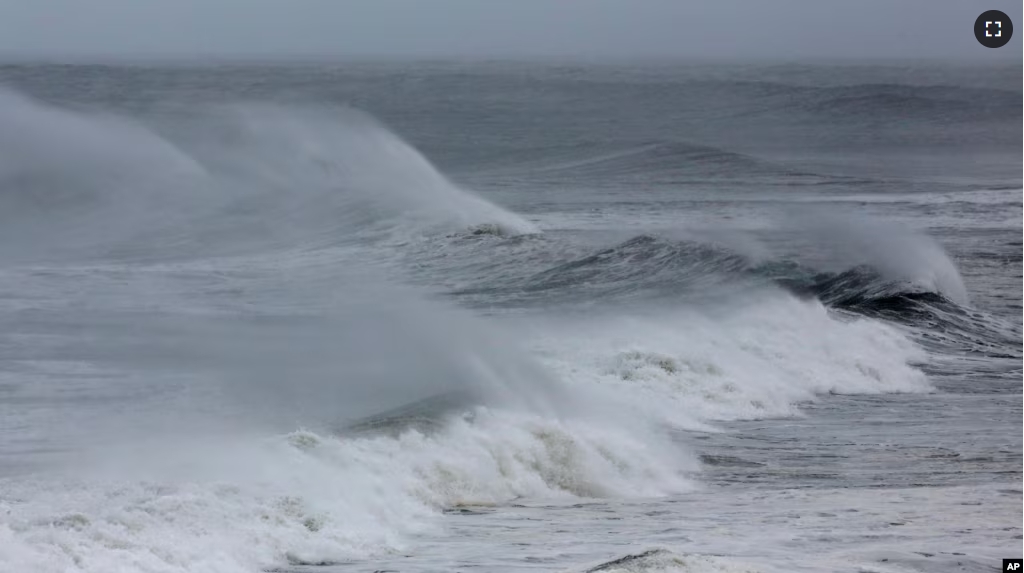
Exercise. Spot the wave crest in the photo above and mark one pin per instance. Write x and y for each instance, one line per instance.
(309, 498)
(240, 178)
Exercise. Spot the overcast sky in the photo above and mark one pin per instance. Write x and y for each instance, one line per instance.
(692, 29)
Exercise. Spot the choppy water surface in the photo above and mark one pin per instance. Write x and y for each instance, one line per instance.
(500, 317)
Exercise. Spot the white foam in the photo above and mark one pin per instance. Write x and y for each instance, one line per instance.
(226, 504)
(759, 358)
(305, 498)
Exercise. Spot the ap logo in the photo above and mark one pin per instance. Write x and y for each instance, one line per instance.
(1013, 565)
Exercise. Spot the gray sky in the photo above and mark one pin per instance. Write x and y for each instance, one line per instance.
(705, 29)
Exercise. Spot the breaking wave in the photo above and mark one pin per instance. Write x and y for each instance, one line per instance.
(227, 274)
(239, 178)
(312, 499)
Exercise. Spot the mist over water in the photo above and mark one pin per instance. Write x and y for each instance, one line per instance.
(229, 179)
(213, 294)
(896, 253)
(249, 326)
(261, 208)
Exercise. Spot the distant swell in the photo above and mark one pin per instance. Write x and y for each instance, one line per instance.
(652, 157)
(910, 102)
(663, 161)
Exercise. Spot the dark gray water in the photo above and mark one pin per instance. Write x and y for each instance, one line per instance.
(719, 317)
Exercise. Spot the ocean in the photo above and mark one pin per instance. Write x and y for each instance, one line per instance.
(510, 316)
